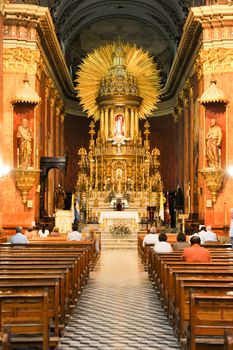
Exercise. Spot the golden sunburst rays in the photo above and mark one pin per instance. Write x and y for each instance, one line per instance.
(138, 62)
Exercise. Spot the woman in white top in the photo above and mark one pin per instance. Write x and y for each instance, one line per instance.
(162, 246)
(43, 232)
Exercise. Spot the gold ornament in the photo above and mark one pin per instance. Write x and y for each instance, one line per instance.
(213, 178)
(120, 69)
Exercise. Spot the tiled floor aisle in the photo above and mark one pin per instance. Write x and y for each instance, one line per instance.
(118, 309)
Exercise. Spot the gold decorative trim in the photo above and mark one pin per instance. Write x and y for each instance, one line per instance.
(214, 61)
(25, 180)
(21, 60)
(214, 179)
(93, 77)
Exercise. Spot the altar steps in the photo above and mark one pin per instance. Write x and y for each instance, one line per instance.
(108, 241)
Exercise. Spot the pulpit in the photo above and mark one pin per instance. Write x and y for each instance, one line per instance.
(63, 220)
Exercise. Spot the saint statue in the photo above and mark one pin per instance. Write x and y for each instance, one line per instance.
(119, 174)
(119, 121)
(213, 145)
(60, 197)
(24, 137)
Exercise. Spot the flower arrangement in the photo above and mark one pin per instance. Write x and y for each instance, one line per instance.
(120, 230)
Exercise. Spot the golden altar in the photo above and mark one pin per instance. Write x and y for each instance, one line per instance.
(118, 86)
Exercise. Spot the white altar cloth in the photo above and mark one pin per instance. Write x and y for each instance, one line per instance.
(109, 217)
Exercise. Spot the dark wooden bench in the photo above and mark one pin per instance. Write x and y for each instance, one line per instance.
(228, 339)
(28, 268)
(211, 317)
(206, 286)
(4, 339)
(25, 314)
(8, 285)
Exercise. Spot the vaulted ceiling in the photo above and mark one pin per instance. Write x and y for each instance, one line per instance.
(154, 25)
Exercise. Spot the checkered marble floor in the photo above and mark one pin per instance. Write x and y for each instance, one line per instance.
(118, 309)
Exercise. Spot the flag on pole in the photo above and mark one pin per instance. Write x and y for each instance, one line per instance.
(75, 209)
(72, 208)
(161, 207)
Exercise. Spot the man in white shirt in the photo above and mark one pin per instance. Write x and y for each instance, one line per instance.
(151, 238)
(74, 235)
(202, 234)
(210, 235)
(163, 246)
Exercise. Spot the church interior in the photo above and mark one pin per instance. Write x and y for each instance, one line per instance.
(116, 116)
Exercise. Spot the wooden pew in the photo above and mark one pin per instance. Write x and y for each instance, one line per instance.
(4, 339)
(228, 339)
(206, 286)
(37, 264)
(211, 317)
(169, 270)
(51, 253)
(8, 285)
(25, 314)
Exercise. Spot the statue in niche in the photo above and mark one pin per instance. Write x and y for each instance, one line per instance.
(119, 121)
(213, 145)
(119, 175)
(60, 196)
(24, 138)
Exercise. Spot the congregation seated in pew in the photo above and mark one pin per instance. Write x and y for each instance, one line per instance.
(43, 231)
(196, 252)
(151, 238)
(55, 232)
(181, 242)
(162, 246)
(18, 237)
(75, 235)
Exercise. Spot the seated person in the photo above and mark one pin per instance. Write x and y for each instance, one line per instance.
(18, 237)
(196, 253)
(74, 235)
(181, 242)
(162, 246)
(151, 238)
(43, 232)
(30, 232)
(55, 232)
(92, 236)
(209, 235)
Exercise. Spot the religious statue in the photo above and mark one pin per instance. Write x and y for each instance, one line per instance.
(24, 137)
(119, 120)
(213, 145)
(60, 197)
(119, 174)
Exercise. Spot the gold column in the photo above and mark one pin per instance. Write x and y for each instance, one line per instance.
(132, 124)
(112, 122)
(136, 122)
(127, 122)
(101, 123)
(106, 122)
